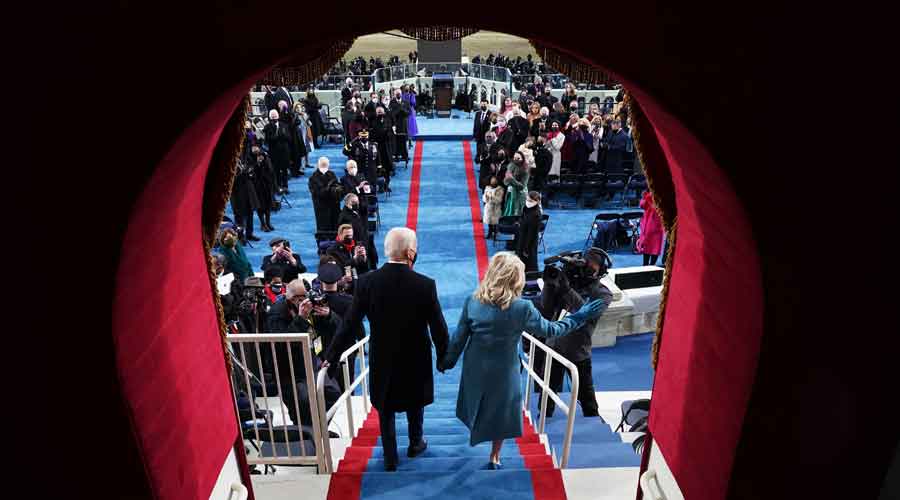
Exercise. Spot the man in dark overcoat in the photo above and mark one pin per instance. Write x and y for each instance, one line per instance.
(402, 307)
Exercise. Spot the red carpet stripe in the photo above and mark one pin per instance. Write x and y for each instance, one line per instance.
(347, 485)
(481, 254)
(547, 483)
(412, 211)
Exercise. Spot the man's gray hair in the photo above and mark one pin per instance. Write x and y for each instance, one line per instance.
(349, 197)
(323, 160)
(294, 288)
(398, 241)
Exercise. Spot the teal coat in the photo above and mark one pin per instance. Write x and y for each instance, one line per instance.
(490, 389)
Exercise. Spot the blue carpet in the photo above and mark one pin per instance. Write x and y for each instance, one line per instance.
(624, 366)
(450, 468)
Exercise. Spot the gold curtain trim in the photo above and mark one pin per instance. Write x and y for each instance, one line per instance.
(659, 181)
(217, 192)
(310, 71)
(439, 33)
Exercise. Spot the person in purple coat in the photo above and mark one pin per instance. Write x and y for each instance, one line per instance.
(409, 95)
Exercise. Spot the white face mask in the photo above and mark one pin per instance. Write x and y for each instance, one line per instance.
(530, 204)
(352, 172)
(323, 169)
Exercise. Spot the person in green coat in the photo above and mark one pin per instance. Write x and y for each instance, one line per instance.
(235, 259)
(490, 332)
(516, 182)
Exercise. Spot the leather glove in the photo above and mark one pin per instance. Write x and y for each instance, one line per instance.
(589, 311)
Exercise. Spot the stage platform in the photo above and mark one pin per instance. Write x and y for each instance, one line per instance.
(456, 128)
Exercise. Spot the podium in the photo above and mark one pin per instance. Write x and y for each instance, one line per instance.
(442, 86)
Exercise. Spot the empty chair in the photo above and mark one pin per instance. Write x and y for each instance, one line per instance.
(637, 183)
(602, 232)
(633, 411)
(507, 225)
(593, 187)
(615, 183)
(544, 219)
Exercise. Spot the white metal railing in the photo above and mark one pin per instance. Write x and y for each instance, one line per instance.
(544, 382)
(325, 417)
(251, 367)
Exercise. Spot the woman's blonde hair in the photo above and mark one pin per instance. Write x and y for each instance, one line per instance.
(503, 282)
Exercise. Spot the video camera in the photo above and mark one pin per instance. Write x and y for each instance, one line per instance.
(574, 266)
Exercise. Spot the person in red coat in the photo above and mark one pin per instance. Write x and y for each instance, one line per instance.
(650, 241)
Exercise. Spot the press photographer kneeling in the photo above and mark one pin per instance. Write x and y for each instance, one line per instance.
(570, 280)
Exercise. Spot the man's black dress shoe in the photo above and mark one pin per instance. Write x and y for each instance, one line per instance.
(416, 449)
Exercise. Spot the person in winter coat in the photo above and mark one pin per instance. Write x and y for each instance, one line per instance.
(582, 145)
(555, 141)
(244, 202)
(400, 113)
(650, 242)
(543, 159)
(300, 139)
(529, 231)
(410, 98)
(493, 205)
(326, 195)
(516, 182)
(489, 332)
(355, 215)
(312, 106)
(264, 181)
(236, 261)
(278, 137)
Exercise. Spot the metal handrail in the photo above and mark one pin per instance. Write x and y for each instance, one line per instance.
(549, 356)
(325, 417)
(272, 338)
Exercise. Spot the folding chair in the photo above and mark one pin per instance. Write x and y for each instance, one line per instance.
(592, 188)
(324, 239)
(600, 220)
(615, 183)
(637, 183)
(633, 411)
(508, 225)
(545, 218)
(372, 209)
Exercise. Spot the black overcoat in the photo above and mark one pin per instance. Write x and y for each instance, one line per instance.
(402, 307)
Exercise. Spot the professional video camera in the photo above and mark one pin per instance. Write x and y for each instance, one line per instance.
(253, 299)
(574, 266)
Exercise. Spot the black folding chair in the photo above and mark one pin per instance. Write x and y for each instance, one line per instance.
(507, 225)
(599, 219)
(633, 411)
(615, 183)
(545, 218)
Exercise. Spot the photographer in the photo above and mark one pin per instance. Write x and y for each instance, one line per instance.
(282, 258)
(349, 254)
(299, 312)
(326, 194)
(562, 292)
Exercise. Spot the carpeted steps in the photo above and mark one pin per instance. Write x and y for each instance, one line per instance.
(594, 444)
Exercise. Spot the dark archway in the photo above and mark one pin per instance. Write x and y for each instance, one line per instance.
(670, 57)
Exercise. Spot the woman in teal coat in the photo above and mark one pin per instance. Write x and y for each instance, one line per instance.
(490, 331)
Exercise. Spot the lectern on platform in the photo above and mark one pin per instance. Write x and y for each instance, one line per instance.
(442, 86)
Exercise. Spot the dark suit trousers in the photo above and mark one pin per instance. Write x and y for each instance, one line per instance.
(389, 431)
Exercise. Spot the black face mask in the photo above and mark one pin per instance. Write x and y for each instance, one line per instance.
(354, 206)
(348, 240)
(415, 257)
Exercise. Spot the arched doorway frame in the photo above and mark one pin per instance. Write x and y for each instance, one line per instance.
(708, 213)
